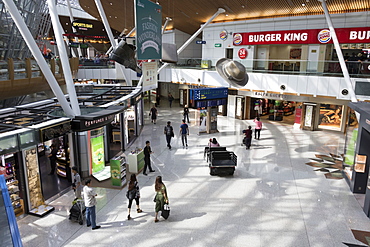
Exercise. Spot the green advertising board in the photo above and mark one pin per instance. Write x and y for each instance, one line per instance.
(148, 30)
(97, 150)
(349, 157)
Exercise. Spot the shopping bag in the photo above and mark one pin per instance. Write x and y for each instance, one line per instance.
(166, 211)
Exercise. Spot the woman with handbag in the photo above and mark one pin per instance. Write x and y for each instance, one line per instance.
(133, 193)
(161, 196)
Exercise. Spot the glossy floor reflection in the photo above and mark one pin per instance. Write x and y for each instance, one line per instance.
(273, 199)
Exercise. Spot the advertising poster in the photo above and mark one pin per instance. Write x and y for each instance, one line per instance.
(203, 120)
(349, 157)
(298, 115)
(97, 150)
(308, 118)
(150, 79)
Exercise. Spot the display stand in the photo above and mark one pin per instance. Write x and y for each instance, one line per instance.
(136, 161)
(118, 171)
(62, 158)
(10, 175)
(36, 201)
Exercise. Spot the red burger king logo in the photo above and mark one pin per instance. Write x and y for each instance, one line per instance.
(324, 36)
(237, 39)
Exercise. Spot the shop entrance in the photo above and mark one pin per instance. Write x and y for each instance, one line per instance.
(53, 183)
(273, 110)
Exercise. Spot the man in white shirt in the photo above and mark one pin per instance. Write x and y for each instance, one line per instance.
(90, 202)
(76, 183)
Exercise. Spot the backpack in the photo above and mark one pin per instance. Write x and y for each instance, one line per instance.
(131, 194)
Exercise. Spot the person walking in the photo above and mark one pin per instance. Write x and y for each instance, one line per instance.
(53, 158)
(186, 113)
(248, 137)
(257, 129)
(157, 99)
(184, 132)
(90, 202)
(168, 131)
(153, 113)
(76, 183)
(170, 99)
(133, 193)
(147, 153)
(160, 197)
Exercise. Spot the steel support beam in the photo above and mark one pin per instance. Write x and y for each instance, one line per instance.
(339, 53)
(58, 31)
(30, 41)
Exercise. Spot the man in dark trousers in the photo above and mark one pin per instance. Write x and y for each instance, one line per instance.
(248, 137)
(53, 158)
(168, 131)
(147, 152)
(184, 132)
(186, 113)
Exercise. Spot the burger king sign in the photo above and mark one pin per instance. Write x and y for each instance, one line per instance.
(324, 36)
(238, 38)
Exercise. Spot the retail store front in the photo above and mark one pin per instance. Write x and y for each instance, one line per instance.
(55, 167)
(92, 135)
(19, 164)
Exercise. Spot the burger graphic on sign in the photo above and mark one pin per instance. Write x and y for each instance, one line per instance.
(238, 39)
(223, 35)
(324, 36)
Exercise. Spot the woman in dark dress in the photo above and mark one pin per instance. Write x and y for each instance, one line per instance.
(153, 113)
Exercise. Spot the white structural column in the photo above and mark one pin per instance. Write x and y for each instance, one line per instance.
(168, 19)
(64, 57)
(339, 52)
(219, 11)
(109, 32)
(31, 43)
(74, 29)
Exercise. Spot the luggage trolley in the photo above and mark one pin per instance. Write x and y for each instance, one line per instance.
(77, 211)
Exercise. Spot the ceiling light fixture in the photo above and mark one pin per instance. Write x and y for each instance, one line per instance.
(303, 4)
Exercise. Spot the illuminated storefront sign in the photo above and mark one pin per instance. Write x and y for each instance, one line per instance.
(82, 25)
(310, 36)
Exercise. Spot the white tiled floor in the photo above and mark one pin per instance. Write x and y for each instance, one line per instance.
(273, 199)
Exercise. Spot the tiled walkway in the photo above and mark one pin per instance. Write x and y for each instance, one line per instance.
(273, 199)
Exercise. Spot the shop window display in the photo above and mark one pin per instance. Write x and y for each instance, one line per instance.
(62, 157)
(9, 169)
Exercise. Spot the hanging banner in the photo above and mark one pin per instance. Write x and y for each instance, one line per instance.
(148, 16)
(150, 79)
